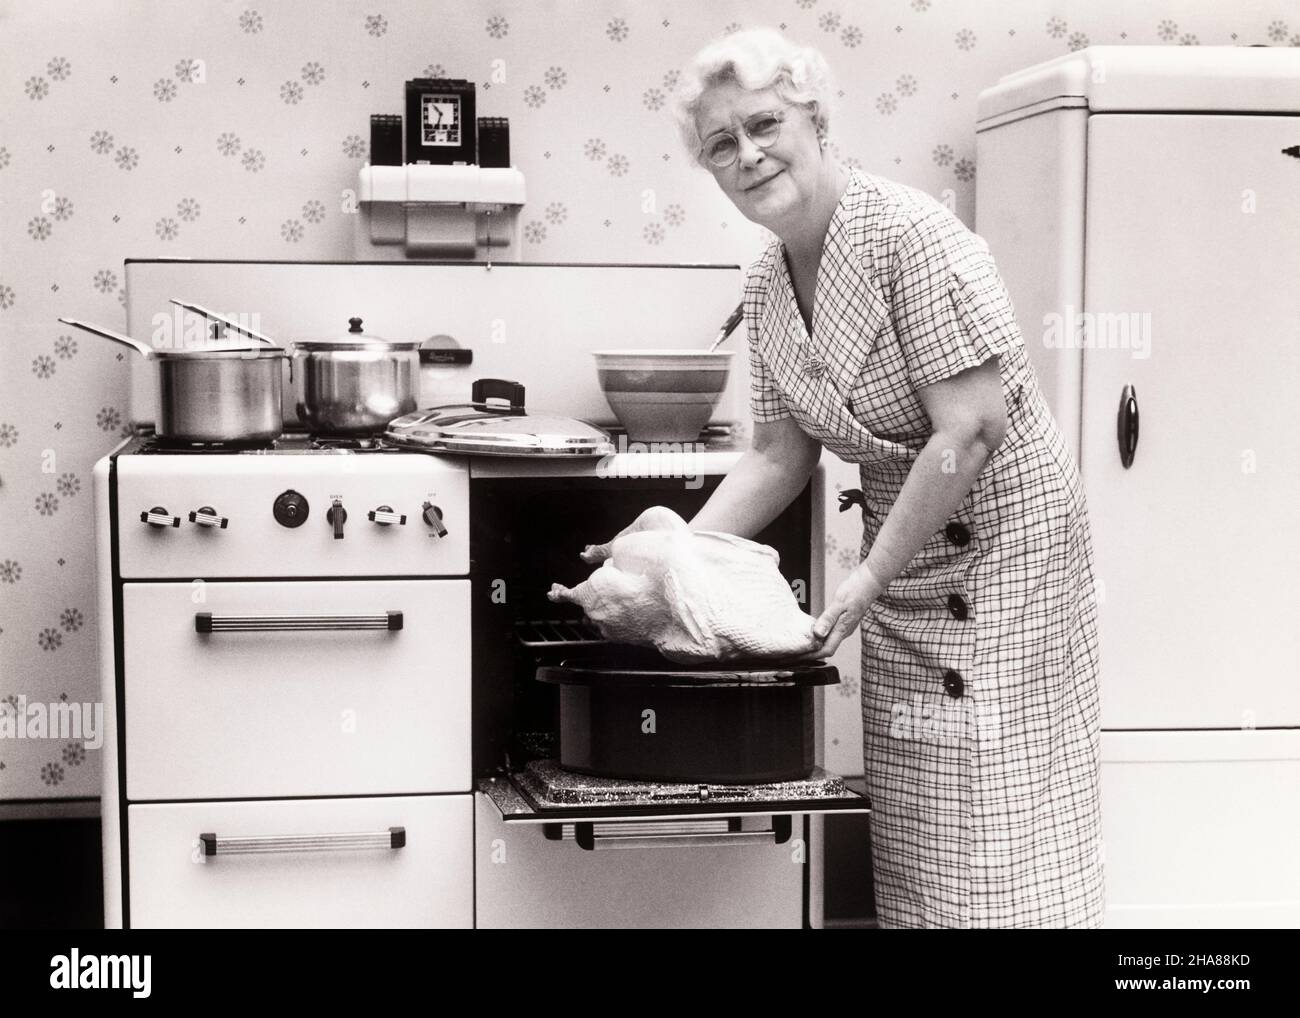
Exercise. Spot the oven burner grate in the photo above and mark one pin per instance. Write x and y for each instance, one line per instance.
(557, 633)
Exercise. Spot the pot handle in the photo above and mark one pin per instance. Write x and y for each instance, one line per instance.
(484, 389)
(116, 337)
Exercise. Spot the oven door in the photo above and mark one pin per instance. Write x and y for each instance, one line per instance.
(296, 688)
(693, 874)
(753, 864)
(521, 799)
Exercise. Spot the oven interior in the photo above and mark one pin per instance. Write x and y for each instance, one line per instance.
(527, 534)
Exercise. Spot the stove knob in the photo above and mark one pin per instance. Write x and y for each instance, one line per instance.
(385, 516)
(160, 517)
(290, 509)
(206, 516)
(337, 516)
(433, 517)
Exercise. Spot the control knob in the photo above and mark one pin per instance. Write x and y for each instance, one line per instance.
(160, 517)
(337, 516)
(385, 516)
(433, 516)
(206, 516)
(290, 509)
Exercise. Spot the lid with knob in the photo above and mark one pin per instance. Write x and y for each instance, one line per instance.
(496, 423)
(355, 338)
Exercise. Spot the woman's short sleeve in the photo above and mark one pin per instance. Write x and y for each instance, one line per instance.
(765, 402)
(951, 309)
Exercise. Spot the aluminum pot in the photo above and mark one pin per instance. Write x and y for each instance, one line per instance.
(353, 385)
(226, 394)
(357, 384)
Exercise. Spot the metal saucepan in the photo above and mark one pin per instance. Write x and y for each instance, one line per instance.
(353, 385)
(231, 394)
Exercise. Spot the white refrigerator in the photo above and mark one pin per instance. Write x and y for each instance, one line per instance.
(1143, 206)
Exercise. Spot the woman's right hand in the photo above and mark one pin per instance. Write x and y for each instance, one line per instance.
(657, 517)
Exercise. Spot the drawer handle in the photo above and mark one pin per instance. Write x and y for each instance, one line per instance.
(394, 837)
(206, 622)
(676, 836)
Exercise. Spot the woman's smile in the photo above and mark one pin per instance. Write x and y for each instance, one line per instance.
(754, 187)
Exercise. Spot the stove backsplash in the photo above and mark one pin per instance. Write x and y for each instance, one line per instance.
(534, 323)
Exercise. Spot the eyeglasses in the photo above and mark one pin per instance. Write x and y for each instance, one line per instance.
(762, 129)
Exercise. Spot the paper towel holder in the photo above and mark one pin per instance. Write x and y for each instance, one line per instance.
(437, 211)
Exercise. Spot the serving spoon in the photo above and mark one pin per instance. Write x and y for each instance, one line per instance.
(729, 326)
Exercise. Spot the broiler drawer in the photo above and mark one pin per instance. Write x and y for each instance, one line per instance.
(393, 861)
(300, 688)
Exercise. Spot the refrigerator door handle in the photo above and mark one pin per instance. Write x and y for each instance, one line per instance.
(1126, 426)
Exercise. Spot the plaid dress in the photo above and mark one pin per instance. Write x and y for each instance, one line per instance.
(980, 661)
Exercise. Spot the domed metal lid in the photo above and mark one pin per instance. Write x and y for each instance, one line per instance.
(498, 429)
(356, 339)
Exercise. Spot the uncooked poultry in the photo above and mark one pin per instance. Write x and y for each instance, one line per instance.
(693, 595)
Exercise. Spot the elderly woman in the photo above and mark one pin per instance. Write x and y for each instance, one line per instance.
(880, 329)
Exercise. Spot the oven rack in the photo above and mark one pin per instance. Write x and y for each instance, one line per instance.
(550, 633)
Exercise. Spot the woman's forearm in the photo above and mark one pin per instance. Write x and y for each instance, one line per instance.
(752, 495)
(938, 481)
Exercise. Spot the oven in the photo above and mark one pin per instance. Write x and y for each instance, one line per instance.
(557, 849)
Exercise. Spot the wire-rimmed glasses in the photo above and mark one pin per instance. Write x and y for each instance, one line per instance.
(723, 148)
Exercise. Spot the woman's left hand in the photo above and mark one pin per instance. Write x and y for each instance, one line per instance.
(844, 613)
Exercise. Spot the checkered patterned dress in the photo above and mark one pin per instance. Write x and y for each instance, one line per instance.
(980, 662)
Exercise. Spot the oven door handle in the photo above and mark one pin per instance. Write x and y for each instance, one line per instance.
(206, 622)
(394, 837)
(610, 836)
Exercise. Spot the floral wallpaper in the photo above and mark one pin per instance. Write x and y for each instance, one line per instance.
(224, 129)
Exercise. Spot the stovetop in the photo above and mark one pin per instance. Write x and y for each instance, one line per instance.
(291, 443)
(713, 439)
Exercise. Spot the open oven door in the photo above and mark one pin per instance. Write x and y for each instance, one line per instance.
(680, 865)
(544, 794)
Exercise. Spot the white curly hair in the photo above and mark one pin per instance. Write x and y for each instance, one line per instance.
(755, 59)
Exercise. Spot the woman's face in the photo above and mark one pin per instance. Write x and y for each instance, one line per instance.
(768, 185)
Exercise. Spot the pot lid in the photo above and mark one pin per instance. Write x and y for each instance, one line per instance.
(356, 339)
(202, 349)
(626, 665)
(245, 353)
(505, 428)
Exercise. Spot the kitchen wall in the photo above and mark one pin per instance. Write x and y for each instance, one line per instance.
(234, 130)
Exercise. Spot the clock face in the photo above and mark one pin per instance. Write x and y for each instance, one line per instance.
(440, 121)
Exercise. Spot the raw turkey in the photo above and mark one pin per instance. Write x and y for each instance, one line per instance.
(692, 595)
